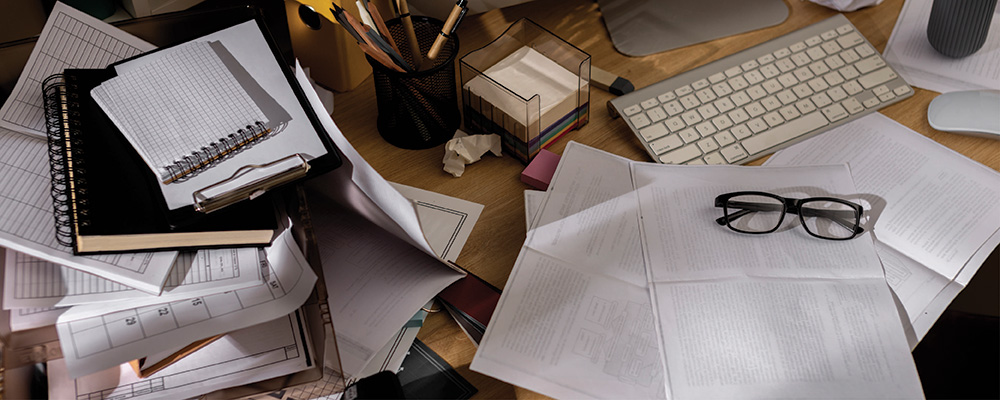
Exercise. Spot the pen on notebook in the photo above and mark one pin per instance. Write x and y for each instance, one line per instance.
(450, 24)
(411, 35)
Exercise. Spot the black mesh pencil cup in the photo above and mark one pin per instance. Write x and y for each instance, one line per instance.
(418, 110)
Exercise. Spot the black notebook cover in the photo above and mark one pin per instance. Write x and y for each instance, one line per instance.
(102, 187)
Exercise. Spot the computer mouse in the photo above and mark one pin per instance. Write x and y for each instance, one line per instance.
(970, 112)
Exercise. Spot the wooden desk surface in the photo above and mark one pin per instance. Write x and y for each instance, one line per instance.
(495, 182)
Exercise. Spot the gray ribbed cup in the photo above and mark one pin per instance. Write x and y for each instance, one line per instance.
(958, 28)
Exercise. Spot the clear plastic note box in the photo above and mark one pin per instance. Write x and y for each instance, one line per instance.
(529, 86)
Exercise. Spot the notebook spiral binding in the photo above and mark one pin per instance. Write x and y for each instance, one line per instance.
(68, 173)
(216, 152)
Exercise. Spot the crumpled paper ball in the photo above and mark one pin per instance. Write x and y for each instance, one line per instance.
(464, 149)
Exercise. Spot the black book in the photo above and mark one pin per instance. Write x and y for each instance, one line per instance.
(107, 195)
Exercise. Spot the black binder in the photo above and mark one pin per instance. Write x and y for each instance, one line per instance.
(106, 199)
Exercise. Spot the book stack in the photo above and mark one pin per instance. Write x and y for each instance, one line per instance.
(156, 223)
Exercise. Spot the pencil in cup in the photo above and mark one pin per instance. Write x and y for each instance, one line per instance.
(418, 110)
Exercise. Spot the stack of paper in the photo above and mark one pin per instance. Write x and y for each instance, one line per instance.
(115, 308)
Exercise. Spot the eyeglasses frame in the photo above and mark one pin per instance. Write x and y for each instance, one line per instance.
(789, 205)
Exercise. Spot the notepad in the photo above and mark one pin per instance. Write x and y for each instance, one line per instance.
(188, 110)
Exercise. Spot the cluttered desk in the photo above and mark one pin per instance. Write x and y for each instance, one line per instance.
(608, 141)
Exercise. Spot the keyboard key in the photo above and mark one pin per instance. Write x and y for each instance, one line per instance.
(674, 107)
(782, 52)
(818, 85)
(724, 105)
(722, 122)
(850, 40)
(788, 80)
(691, 117)
(872, 102)
(864, 50)
(821, 100)
(649, 103)
(754, 77)
(740, 98)
(844, 29)
(797, 47)
(708, 145)
(770, 103)
(707, 111)
(705, 129)
(887, 97)
(830, 34)
(803, 74)
(738, 116)
(852, 88)
(733, 153)
(714, 159)
(787, 97)
(666, 144)
(683, 90)
(741, 132)
(681, 155)
(800, 59)
(668, 96)
(770, 71)
(696, 161)
(852, 105)
(722, 89)
(849, 72)
(717, 77)
(805, 106)
(675, 124)
(819, 68)
(690, 101)
(755, 109)
(757, 125)
(772, 86)
(738, 83)
(816, 53)
(880, 90)
(756, 92)
(789, 112)
(834, 62)
(700, 84)
(802, 90)
(749, 65)
(689, 135)
(850, 56)
(836, 94)
(765, 59)
(901, 90)
(831, 47)
(639, 121)
(734, 71)
(631, 110)
(653, 132)
(835, 112)
(869, 64)
(833, 78)
(792, 129)
(785, 65)
(773, 119)
(656, 114)
(706, 95)
(877, 78)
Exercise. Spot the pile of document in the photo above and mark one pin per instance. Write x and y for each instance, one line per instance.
(626, 287)
(178, 324)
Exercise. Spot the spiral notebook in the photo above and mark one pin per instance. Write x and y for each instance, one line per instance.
(194, 169)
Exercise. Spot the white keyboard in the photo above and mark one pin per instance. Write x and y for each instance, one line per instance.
(764, 98)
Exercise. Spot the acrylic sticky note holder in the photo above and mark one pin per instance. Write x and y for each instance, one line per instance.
(529, 86)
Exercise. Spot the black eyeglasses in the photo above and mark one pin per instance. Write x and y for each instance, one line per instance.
(760, 212)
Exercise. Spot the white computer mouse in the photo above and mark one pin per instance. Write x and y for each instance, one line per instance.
(971, 112)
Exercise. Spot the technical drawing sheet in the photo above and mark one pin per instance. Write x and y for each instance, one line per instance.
(32, 282)
(22, 319)
(575, 318)
(29, 224)
(70, 39)
(263, 351)
(100, 336)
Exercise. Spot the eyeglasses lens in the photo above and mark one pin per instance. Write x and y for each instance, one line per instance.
(829, 219)
(754, 213)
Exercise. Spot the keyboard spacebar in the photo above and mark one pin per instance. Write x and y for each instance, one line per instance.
(797, 127)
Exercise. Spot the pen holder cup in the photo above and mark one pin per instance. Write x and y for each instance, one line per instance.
(417, 110)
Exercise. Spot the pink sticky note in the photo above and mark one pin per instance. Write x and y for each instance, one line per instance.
(539, 172)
